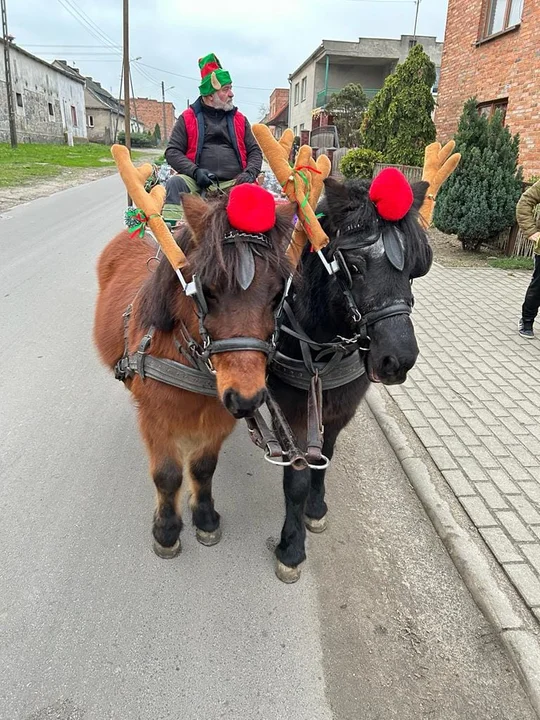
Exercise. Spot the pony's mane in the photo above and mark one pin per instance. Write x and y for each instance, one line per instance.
(353, 207)
(216, 265)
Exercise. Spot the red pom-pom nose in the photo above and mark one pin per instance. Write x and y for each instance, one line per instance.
(391, 194)
(251, 209)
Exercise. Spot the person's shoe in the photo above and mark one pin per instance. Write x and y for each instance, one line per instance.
(526, 329)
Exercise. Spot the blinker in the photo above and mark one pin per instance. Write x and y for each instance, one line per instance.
(393, 246)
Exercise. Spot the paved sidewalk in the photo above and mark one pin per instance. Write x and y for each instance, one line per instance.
(473, 399)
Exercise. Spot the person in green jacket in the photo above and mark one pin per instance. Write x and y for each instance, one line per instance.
(528, 218)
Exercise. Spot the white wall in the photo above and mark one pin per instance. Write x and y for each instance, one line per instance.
(47, 96)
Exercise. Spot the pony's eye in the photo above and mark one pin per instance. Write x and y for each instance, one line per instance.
(209, 295)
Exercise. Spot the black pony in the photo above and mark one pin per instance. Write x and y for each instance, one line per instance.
(352, 309)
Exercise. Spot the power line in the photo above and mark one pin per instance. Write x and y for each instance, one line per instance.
(93, 28)
(97, 47)
(188, 77)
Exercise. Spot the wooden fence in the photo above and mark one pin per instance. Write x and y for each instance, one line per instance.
(509, 242)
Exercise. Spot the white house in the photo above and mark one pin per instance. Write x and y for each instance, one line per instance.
(49, 102)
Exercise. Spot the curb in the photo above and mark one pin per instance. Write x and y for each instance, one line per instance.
(521, 644)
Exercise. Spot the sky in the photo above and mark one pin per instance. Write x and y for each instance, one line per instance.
(259, 50)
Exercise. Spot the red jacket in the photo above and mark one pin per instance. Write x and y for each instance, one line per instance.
(194, 123)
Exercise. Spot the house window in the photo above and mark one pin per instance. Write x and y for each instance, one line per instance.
(295, 130)
(18, 96)
(51, 110)
(412, 43)
(435, 88)
(489, 108)
(296, 93)
(503, 14)
(301, 127)
(74, 116)
(303, 91)
(90, 121)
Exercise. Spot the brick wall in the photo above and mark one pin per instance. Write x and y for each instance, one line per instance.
(278, 99)
(150, 112)
(507, 66)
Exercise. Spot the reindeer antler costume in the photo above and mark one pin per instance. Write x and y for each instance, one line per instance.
(302, 184)
(439, 164)
(150, 203)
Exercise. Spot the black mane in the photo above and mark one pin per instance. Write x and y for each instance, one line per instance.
(351, 222)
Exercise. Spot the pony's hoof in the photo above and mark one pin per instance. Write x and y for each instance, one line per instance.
(208, 538)
(167, 553)
(287, 574)
(316, 525)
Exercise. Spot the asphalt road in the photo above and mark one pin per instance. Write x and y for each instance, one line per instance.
(94, 626)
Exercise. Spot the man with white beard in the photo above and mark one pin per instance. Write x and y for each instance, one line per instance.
(211, 142)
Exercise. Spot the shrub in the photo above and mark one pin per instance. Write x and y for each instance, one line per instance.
(140, 140)
(479, 199)
(360, 163)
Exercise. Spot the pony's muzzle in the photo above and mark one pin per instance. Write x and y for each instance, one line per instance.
(240, 406)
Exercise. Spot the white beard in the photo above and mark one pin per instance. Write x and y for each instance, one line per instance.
(220, 105)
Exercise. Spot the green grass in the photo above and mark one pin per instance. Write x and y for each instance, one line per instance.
(512, 263)
(30, 161)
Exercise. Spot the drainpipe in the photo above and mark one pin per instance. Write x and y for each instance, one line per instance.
(326, 79)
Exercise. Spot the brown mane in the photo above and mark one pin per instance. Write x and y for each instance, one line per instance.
(216, 265)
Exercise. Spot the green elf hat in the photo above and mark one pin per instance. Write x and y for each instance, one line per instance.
(212, 74)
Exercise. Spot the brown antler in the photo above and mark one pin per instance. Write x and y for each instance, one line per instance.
(296, 182)
(439, 164)
(320, 170)
(150, 203)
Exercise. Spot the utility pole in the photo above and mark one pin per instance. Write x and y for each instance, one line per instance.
(118, 104)
(164, 138)
(134, 103)
(416, 19)
(127, 113)
(9, 85)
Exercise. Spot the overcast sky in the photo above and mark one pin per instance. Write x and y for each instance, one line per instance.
(259, 52)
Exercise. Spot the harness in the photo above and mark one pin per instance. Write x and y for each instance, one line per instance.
(335, 363)
(200, 377)
(323, 366)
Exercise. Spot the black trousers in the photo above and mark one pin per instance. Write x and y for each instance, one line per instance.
(532, 296)
(174, 186)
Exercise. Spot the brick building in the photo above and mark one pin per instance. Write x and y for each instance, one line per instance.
(278, 113)
(150, 112)
(491, 52)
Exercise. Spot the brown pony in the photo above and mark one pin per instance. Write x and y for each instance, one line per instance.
(184, 430)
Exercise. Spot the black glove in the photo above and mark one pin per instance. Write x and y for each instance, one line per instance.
(204, 178)
(245, 177)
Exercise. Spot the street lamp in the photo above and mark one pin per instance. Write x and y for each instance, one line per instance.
(164, 138)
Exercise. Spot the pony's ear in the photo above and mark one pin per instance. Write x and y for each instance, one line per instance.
(336, 196)
(195, 212)
(286, 211)
(419, 189)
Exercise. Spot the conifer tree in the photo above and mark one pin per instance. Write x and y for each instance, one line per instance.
(398, 120)
(479, 199)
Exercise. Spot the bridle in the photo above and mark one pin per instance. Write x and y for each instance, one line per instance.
(200, 377)
(334, 364)
(202, 351)
(339, 271)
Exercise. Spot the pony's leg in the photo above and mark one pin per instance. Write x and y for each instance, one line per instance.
(291, 550)
(166, 471)
(316, 507)
(167, 516)
(205, 517)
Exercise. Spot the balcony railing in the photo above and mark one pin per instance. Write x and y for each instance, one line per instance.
(324, 96)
